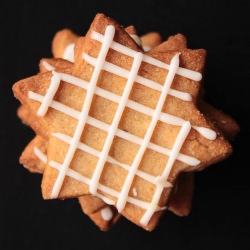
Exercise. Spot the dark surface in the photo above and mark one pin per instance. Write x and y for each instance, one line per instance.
(220, 216)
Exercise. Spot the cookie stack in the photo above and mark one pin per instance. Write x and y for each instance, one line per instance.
(121, 123)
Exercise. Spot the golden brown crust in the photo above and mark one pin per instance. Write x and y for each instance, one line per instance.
(133, 122)
(150, 40)
(104, 224)
(227, 125)
(28, 157)
(48, 64)
(61, 40)
(182, 195)
(175, 42)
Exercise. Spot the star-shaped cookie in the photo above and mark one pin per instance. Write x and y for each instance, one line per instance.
(123, 124)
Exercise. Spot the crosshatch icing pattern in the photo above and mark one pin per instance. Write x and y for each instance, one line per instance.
(174, 154)
(123, 102)
(120, 127)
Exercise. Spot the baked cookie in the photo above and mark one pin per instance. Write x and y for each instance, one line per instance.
(63, 47)
(34, 158)
(93, 149)
(228, 126)
(63, 44)
(181, 200)
(225, 123)
(149, 40)
(64, 41)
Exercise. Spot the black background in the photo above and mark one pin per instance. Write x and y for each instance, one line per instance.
(220, 216)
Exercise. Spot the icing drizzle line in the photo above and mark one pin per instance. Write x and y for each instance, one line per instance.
(106, 212)
(109, 34)
(74, 143)
(128, 182)
(113, 128)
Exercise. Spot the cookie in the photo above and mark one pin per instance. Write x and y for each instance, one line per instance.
(46, 168)
(226, 124)
(49, 64)
(103, 215)
(64, 41)
(182, 194)
(181, 202)
(148, 41)
(34, 155)
(63, 44)
(34, 158)
(160, 114)
(174, 42)
(153, 41)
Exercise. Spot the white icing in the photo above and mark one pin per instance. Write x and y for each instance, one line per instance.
(127, 184)
(40, 155)
(48, 66)
(134, 191)
(196, 76)
(146, 48)
(108, 39)
(161, 179)
(54, 84)
(69, 52)
(113, 128)
(109, 159)
(146, 82)
(106, 213)
(206, 132)
(122, 134)
(25, 166)
(77, 176)
(156, 115)
(167, 118)
(136, 38)
(105, 199)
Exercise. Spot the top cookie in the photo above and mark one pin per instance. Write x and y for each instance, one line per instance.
(122, 123)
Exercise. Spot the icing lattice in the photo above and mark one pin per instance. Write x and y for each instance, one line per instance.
(123, 101)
